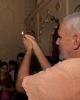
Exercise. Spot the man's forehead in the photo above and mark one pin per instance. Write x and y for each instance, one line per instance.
(61, 29)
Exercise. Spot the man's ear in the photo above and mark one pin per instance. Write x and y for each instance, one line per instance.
(76, 39)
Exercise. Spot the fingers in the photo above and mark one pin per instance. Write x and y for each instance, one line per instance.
(29, 37)
(27, 43)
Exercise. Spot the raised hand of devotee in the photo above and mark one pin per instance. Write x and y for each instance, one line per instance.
(32, 40)
(38, 52)
(27, 43)
(24, 67)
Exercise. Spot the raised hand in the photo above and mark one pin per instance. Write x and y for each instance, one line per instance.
(31, 38)
(27, 43)
(38, 52)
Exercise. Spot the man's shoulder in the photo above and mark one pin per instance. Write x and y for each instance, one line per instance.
(70, 66)
(69, 61)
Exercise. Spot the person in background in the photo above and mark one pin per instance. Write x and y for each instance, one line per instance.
(12, 66)
(18, 95)
(6, 82)
(0, 62)
(20, 58)
(58, 82)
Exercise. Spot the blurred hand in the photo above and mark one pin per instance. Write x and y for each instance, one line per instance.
(27, 43)
(32, 39)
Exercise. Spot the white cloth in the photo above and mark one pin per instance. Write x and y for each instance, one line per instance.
(61, 82)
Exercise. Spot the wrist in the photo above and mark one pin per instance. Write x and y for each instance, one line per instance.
(29, 50)
(36, 46)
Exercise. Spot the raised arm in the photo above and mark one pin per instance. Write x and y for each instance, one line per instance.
(24, 68)
(38, 52)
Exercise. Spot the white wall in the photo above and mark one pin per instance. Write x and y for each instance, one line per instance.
(11, 24)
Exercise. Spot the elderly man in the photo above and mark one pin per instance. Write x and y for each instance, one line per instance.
(61, 81)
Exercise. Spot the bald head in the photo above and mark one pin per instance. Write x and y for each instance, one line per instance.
(72, 23)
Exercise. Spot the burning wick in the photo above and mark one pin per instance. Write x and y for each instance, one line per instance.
(22, 33)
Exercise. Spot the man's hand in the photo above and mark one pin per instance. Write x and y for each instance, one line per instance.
(38, 52)
(27, 42)
(25, 66)
(32, 40)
